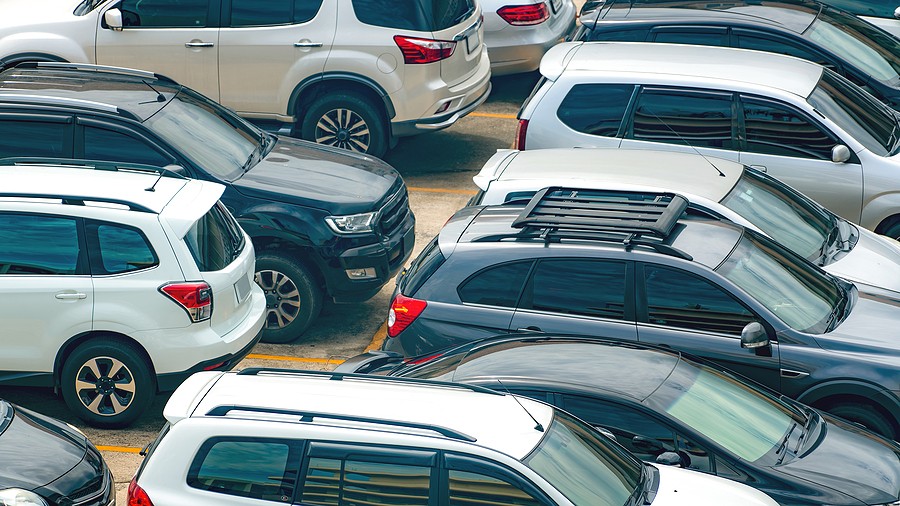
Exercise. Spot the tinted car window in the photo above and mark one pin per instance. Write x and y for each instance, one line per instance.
(423, 267)
(272, 12)
(879, 8)
(32, 138)
(624, 422)
(475, 488)
(636, 35)
(699, 120)
(334, 482)
(38, 245)
(419, 15)
(595, 109)
(115, 249)
(771, 44)
(874, 51)
(103, 144)
(578, 287)
(260, 469)
(696, 36)
(497, 286)
(215, 239)
(164, 13)
(775, 129)
(678, 299)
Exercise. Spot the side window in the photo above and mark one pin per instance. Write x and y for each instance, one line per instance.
(595, 109)
(880, 8)
(334, 482)
(696, 119)
(116, 249)
(579, 287)
(110, 145)
(39, 245)
(700, 36)
(272, 12)
(635, 35)
(255, 468)
(772, 44)
(497, 286)
(467, 488)
(678, 299)
(165, 13)
(773, 129)
(22, 137)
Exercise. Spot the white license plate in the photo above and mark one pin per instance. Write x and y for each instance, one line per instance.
(242, 289)
(472, 42)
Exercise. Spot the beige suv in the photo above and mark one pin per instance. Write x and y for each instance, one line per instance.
(356, 74)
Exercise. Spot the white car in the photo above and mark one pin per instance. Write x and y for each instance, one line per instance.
(713, 186)
(119, 283)
(313, 437)
(517, 33)
(791, 118)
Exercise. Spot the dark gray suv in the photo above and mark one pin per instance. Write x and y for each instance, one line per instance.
(637, 267)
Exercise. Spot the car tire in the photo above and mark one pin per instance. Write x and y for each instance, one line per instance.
(293, 300)
(867, 415)
(346, 120)
(891, 228)
(107, 383)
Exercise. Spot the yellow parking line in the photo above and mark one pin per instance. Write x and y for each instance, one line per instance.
(492, 115)
(331, 361)
(118, 449)
(440, 190)
(378, 338)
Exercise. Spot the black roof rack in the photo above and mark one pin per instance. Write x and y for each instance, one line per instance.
(168, 170)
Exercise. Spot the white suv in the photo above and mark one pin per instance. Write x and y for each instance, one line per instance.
(119, 283)
(319, 438)
(350, 73)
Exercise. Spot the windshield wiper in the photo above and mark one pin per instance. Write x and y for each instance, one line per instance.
(833, 237)
(837, 311)
(782, 448)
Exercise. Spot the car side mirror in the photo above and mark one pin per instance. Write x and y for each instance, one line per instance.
(177, 169)
(670, 459)
(840, 153)
(113, 19)
(754, 336)
(647, 445)
(897, 13)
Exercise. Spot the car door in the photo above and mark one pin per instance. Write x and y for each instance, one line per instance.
(176, 38)
(685, 312)
(791, 146)
(268, 47)
(49, 293)
(578, 296)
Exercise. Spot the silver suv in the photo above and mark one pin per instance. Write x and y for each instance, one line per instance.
(350, 73)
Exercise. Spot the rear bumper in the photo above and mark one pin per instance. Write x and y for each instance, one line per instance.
(170, 381)
(467, 103)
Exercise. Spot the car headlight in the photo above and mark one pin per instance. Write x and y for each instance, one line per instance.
(352, 223)
(20, 497)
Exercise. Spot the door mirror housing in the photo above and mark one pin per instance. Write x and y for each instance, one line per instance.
(670, 459)
(840, 153)
(754, 336)
(113, 19)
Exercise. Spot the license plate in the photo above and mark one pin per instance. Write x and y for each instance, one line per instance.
(242, 289)
(472, 42)
(556, 5)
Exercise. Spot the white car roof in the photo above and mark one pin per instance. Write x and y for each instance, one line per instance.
(704, 176)
(496, 421)
(771, 70)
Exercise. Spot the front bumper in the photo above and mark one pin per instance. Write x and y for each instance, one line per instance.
(387, 258)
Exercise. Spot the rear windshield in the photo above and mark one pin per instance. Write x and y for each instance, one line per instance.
(422, 268)
(215, 240)
(417, 15)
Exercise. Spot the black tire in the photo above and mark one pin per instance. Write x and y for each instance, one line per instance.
(107, 383)
(345, 120)
(870, 416)
(293, 300)
(891, 228)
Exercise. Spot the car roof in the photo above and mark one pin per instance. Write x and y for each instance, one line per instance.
(497, 421)
(716, 64)
(706, 177)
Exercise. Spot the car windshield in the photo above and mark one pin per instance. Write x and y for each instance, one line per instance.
(583, 465)
(790, 218)
(801, 295)
(211, 136)
(869, 121)
(874, 52)
(746, 421)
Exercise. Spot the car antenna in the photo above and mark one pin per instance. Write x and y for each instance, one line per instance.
(159, 96)
(152, 187)
(721, 174)
(537, 424)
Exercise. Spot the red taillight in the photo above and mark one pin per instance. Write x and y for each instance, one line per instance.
(403, 311)
(137, 496)
(417, 50)
(193, 297)
(519, 15)
(521, 130)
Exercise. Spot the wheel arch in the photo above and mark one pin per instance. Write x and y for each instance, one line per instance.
(17, 58)
(311, 87)
(830, 393)
(73, 343)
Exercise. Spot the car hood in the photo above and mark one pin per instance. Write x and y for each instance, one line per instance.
(36, 450)
(681, 486)
(870, 327)
(852, 461)
(875, 260)
(304, 173)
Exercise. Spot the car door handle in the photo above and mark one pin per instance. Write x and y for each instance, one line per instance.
(530, 328)
(307, 44)
(71, 296)
(199, 44)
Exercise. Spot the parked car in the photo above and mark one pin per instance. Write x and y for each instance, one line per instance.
(355, 74)
(48, 462)
(644, 271)
(666, 404)
(806, 29)
(713, 187)
(519, 32)
(881, 13)
(147, 276)
(353, 439)
(325, 222)
(801, 123)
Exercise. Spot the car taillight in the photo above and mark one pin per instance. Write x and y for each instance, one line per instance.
(417, 50)
(137, 496)
(521, 130)
(520, 15)
(194, 297)
(403, 311)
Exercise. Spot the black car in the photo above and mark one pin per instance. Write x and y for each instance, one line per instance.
(324, 221)
(668, 408)
(852, 47)
(642, 267)
(48, 462)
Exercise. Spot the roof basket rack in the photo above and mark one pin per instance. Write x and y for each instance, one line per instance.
(97, 68)
(168, 171)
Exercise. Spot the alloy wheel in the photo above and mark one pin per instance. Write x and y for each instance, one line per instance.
(105, 386)
(282, 298)
(343, 128)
